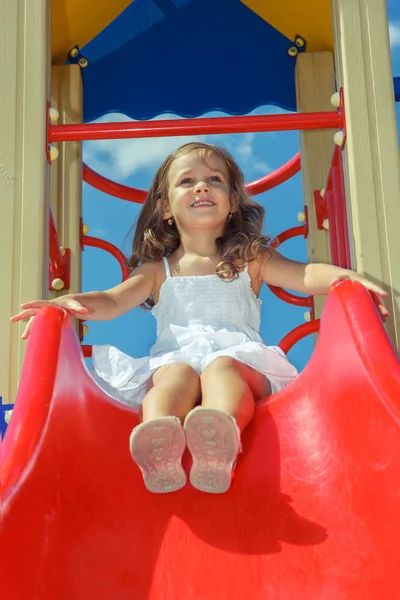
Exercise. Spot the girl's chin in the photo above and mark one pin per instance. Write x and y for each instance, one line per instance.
(203, 222)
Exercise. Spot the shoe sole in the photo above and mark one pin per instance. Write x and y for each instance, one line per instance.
(213, 442)
(157, 448)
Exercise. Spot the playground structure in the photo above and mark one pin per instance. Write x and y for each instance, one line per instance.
(318, 449)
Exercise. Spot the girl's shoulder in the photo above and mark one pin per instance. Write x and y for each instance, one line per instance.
(257, 265)
(152, 269)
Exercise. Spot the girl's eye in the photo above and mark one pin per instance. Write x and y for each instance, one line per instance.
(186, 180)
(215, 178)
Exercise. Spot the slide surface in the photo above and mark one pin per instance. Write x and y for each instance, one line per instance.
(313, 511)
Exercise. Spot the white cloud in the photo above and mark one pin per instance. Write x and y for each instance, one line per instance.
(120, 159)
(98, 232)
(242, 147)
(262, 167)
(394, 34)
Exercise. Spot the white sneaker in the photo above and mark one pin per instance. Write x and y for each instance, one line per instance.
(157, 447)
(213, 439)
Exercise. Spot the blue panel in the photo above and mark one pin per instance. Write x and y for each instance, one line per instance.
(187, 57)
(396, 81)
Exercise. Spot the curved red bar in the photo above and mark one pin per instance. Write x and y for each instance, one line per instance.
(279, 292)
(111, 187)
(297, 334)
(276, 178)
(108, 247)
(125, 192)
(291, 298)
(288, 234)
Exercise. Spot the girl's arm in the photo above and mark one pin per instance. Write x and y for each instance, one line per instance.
(311, 279)
(98, 306)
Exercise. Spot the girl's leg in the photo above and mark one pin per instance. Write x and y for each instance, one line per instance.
(229, 389)
(173, 390)
(232, 387)
(157, 445)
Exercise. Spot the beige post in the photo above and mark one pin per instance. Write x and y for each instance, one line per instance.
(66, 171)
(371, 153)
(315, 84)
(24, 84)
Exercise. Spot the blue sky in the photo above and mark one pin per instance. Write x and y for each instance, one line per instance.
(134, 162)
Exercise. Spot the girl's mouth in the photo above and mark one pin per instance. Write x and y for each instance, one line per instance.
(200, 203)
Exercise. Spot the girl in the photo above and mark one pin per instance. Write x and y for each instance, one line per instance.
(198, 262)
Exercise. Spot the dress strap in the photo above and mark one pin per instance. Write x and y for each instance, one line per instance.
(166, 265)
(246, 267)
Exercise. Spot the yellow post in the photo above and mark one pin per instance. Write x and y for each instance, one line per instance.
(371, 153)
(315, 84)
(66, 172)
(24, 51)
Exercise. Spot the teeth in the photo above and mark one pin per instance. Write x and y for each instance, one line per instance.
(203, 204)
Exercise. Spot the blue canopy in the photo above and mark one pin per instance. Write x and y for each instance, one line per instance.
(187, 57)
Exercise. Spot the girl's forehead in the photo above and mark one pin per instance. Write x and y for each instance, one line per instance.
(194, 161)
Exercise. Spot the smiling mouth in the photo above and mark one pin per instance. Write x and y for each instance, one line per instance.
(200, 203)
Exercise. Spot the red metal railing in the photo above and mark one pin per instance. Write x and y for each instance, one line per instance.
(59, 262)
(86, 350)
(301, 230)
(125, 192)
(87, 240)
(279, 176)
(297, 334)
(332, 207)
(214, 125)
(290, 233)
(111, 187)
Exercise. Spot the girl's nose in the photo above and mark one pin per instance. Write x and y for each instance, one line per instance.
(202, 187)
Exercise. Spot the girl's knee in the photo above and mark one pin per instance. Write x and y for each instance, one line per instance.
(176, 373)
(222, 363)
(237, 372)
(174, 390)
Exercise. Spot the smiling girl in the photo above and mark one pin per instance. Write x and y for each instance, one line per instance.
(198, 262)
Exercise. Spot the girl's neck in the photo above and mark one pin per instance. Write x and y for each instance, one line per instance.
(204, 246)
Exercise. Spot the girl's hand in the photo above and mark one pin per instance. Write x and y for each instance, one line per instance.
(378, 294)
(30, 310)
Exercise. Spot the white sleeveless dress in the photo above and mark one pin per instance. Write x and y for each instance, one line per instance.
(198, 319)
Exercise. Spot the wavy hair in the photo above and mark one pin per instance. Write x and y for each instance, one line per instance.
(242, 239)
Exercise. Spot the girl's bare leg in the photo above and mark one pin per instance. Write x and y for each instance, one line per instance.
(158, 444)
(229, 388)
(174, 390)
(232, 387)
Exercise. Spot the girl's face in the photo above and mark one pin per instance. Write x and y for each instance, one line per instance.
(198, 192)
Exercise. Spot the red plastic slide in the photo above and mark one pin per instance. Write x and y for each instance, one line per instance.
(313, 511)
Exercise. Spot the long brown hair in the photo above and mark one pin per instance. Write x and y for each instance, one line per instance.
(242, 239)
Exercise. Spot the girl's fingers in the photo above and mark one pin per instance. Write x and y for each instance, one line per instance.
(78, 309)
(25, 314)
(35, 304)
(378, 290)
(74, 314)
(68, 304)
(27, 330)
(30, 310)
(384, 311)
